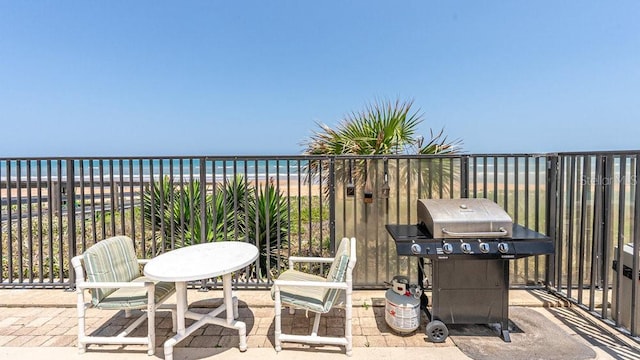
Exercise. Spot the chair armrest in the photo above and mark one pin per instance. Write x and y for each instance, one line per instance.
(318, 284)
(111, 285)
(143, 261)
(308, 259)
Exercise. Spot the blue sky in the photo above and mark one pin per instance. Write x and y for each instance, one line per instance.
(110, 78)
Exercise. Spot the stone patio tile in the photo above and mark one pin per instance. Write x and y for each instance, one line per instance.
(335, 322)
(360, 341)
(109, 330)
(229, 331)
(376, 341)
(57, 341)
(19, 340)
(229, 341)
(394, 340)
(335, 332)
(23, 331)
(38, 340)
(368, 322)
(356, 330)
(362, 313)
(164, 323)
(417, 339)
(368, 331)
(205, 341)
(212, 330)
(9, 330)
(258, 341)
(264, 312)
(265, 330)
(8, 321)
(71, 331)
(48, 329)
(5, 339)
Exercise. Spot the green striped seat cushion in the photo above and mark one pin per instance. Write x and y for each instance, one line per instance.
(313, 298)
(136, 298)
(338, 272)
(309, 298)
(114, 260)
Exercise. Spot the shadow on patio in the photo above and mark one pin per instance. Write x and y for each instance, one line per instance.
(32, 321)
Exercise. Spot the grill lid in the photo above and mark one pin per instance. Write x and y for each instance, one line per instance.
(463, 218)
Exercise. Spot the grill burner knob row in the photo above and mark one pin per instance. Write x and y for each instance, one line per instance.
(447, 248)
(484, 248)
(503, 247)
(416, 249)
(466, 248)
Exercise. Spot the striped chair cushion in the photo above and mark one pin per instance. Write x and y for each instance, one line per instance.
(110, 260)
(337, 272)
(312, 298)
(136, 298)
(309, 298)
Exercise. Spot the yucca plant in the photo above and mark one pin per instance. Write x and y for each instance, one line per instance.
(268, 225)
(176, 211)
(235, 210)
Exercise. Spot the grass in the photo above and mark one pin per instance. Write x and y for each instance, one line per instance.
(39, 246)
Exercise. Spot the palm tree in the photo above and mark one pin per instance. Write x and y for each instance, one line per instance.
(383, 128)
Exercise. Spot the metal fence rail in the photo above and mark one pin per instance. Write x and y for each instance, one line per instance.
(54, 208)
(597, 214)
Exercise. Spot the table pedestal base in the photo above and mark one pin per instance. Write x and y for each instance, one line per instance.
(230, 305)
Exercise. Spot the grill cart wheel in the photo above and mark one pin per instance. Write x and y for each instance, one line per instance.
(437, 331)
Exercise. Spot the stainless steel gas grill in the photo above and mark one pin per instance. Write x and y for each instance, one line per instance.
(470, 243)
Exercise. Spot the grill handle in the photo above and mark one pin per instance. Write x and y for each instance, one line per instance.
(501, 232)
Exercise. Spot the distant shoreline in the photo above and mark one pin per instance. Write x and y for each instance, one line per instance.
(291, 188)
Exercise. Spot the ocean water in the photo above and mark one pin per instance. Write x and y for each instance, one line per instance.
(145, 168)
(500, 168)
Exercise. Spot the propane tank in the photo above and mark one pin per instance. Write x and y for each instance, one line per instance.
(402, 305)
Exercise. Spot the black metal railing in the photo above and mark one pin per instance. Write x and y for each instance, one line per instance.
(597, 214)
(299, 205)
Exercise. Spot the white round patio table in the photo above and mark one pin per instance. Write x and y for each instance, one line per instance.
(198, 262)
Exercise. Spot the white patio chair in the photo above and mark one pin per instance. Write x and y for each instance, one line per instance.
(299, 290)
(112, 273)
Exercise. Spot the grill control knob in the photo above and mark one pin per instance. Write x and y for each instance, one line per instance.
(503, 247)
(447, 248)
(416, 249)
(466, 248)
(484, 248)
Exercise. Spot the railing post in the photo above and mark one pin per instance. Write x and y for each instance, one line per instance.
(71, 219)
(332, 202)
(464, 177)
(607, 231)
(598, 216)
(635, 265)
(551, 215)
(58, 197)
(203, 200)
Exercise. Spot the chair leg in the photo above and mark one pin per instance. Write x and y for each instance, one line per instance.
(174, 318)
(316, 325)
(278, 320)
(151, 320)
(81, 311)
(348, 315)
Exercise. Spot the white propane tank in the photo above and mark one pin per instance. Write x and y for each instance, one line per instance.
(402, 312)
